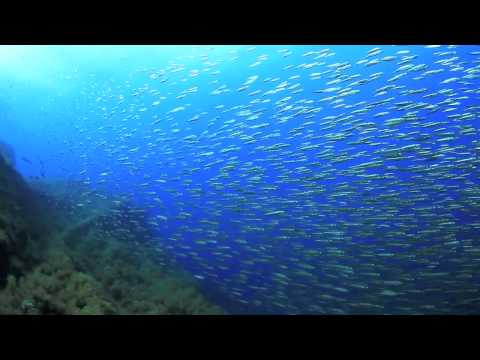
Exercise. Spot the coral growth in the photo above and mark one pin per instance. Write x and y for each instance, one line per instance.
(136, 284)
(54, 287)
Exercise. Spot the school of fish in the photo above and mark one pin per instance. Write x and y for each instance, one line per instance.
(301, 181)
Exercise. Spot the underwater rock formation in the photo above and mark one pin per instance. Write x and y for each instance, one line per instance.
(21, 225)
(97, 258)
(7, 154)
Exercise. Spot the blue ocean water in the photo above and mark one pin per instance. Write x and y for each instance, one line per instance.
(285, 179)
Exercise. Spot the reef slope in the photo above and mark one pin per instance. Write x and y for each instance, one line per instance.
(67, 249)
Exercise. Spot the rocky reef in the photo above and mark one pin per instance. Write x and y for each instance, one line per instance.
(21, 228)
(67, 249)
